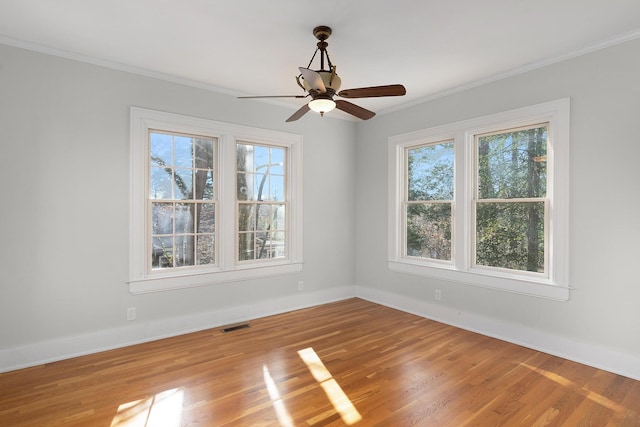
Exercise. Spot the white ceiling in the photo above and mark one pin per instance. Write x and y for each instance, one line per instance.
(254, 47)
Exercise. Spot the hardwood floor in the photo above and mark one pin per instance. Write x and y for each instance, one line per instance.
(350, 362)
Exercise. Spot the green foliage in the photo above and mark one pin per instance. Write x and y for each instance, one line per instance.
(429, 230)
(511, 175)
(504, 238)
(511, 166)
(430, 182)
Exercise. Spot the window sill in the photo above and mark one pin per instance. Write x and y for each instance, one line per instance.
(539, 289)
(167, 283)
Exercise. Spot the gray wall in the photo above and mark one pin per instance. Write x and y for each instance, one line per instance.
(64, 240)
(604, 309)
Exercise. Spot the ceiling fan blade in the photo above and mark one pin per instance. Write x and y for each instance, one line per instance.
(354, 110)
(273, 96)
(373, 91)
(313, 79)
(301, 112)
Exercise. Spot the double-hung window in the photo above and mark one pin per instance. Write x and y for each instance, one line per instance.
(485, 201)
(211, 202)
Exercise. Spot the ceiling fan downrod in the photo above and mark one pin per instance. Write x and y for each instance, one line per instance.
(322, 33)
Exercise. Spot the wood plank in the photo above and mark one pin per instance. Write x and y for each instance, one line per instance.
(394, 369)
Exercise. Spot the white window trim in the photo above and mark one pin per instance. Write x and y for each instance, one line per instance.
(227, 269)
(556, 285)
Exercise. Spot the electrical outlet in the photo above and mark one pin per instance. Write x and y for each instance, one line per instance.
(438, 295)
(300, 285)
(131, 313)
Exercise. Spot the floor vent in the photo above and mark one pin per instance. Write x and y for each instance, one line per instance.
(235, 327)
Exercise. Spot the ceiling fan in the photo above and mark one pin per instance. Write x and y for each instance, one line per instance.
(323, 84)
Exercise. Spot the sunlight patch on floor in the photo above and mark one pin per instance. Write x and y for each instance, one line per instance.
(334, 392)
(598, 398)
(161, 410)
(284, 419)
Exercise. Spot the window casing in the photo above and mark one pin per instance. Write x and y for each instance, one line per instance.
(485, 201)
(189, 191)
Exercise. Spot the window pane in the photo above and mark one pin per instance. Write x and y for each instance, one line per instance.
(430, 172)
(511, 235)
(162, 252)
(279, 217)
(185, 212)
(183, 184)
(429, 231)
(276, 188)
(513, 164)
(183, 152)
(264, 217)
(161, 218)
(205, 251)
(260, 186)
(244, 158)
(246, 217)
(206, 218)
(246, 248)
(261, 157)
(244, 185)
(161, 148)
(160, 185)
(277, 244)
(185, 254)
(204, 153)
(204, 185)
(277, 161)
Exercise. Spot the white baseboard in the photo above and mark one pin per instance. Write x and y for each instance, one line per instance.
(139, 332)
(589, 354)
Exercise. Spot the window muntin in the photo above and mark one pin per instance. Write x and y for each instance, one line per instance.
(510, 206)
(429, 200)
(262, 206)
(471, 234)
(182, 200)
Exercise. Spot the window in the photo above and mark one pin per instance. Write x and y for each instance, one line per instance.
(211, 202)
(429, 200)
(182, 200)
(510, 204)
(261, 205)
(485, 201)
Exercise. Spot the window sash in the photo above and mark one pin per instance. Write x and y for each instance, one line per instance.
(172, 247)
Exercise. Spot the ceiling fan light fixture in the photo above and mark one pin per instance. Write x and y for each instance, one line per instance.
(322, 105)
